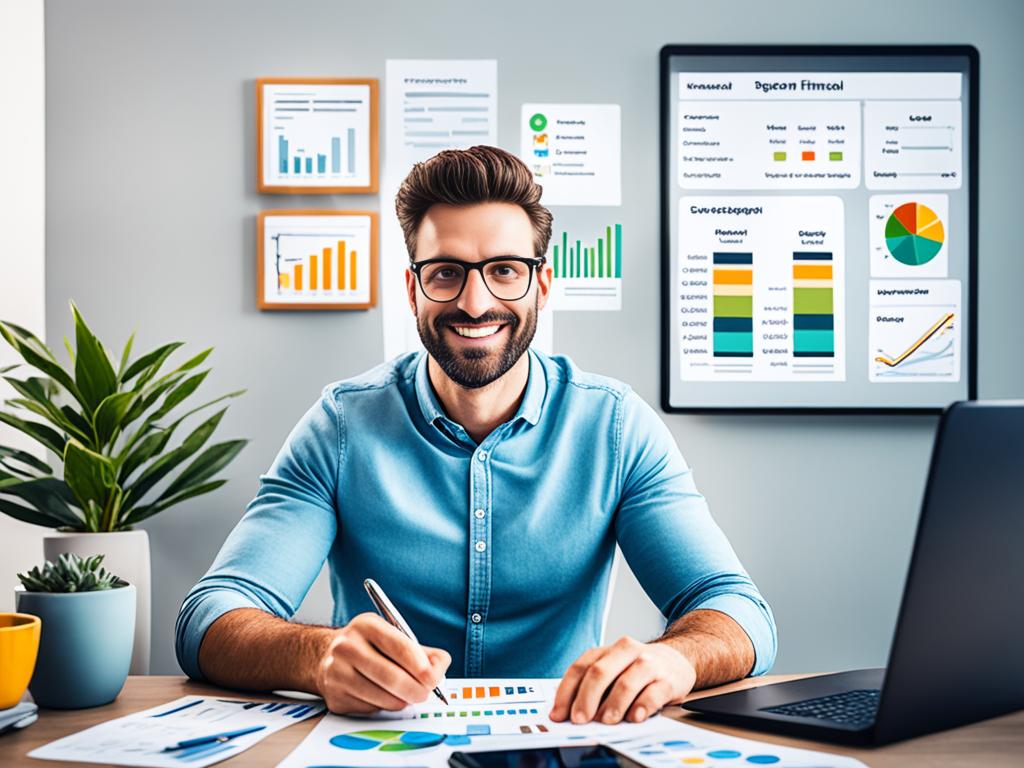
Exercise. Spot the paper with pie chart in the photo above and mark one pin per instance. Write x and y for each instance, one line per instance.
(909, 235)
(492, 714)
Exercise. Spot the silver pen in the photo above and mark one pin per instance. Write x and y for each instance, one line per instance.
(391, 615)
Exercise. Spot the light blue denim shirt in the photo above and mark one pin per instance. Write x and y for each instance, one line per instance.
(500, 553)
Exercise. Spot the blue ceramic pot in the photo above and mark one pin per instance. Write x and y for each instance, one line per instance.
(85, 646)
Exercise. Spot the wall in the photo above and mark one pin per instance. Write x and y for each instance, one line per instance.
(22, 220)
(151, 226)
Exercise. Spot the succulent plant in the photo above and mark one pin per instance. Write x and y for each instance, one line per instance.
(71, 573)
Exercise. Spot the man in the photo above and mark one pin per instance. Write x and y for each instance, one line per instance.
(484, 486)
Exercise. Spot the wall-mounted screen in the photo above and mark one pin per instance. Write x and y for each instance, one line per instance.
(818, 244)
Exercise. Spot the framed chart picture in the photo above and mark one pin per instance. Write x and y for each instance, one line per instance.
(316, 259)
(317, 135)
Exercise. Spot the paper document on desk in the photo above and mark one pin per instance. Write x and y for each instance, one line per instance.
(510, 714)
(140, 738)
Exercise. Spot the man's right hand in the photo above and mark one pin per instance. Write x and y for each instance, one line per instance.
(369, 665)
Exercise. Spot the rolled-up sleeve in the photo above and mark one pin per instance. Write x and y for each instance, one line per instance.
(276, 551)
(680, 556)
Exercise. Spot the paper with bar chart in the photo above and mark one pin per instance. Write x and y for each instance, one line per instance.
(914, 334)
(909, 235)
(315, 136)
(587, 268)
(760, 289)
(489, 714)
(316, 261)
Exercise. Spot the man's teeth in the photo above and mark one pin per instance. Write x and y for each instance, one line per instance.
(476, 333)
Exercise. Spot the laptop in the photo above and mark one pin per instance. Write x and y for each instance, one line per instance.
(956, 655)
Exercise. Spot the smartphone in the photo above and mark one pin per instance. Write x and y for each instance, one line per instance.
(588, 756)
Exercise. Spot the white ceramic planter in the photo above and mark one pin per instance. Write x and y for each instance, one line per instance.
(126, 554)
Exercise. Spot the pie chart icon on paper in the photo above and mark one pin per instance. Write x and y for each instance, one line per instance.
(914, 234)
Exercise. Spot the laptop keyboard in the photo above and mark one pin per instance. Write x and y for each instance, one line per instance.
(850, 708)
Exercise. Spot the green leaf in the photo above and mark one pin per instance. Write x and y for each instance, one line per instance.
(39, 432)
(94, 374)
(148, 510)
(147, 396)
(57, 418)
(27, 515)
(151, 359)
(29, 338)
(205, 465)
(42, 363)
(70, 349)
(8, 368)
(124, 357)
(110, 415)
(180, 393)
(47, 495)
(162, 466)
(25, 458)
(89, 475)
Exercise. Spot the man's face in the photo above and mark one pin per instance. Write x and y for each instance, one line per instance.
(477, 338)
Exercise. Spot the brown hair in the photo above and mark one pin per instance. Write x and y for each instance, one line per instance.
(479, 174)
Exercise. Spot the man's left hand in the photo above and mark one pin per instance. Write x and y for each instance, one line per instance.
(627, 680)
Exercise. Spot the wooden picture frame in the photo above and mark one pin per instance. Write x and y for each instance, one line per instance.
(297, 260)
(362, 156)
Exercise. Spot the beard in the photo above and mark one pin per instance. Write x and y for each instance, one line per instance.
(477, 367)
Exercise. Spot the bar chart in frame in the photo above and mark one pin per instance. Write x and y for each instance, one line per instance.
(587, 270)
(316, 260)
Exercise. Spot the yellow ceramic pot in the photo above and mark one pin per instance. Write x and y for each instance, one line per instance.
(19, 644)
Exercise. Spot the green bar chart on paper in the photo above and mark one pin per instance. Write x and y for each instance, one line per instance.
(598, 256)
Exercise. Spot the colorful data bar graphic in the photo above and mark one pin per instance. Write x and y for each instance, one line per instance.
(574, 258)
(813, 312)
(733, 304)
(315, 272)
(499, 712)
(302, 162)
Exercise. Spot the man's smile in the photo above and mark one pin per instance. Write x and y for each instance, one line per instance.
(477, 331)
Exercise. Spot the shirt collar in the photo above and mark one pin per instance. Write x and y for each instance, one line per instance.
(529, 409)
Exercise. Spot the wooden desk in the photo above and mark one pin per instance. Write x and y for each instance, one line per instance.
(998, 742)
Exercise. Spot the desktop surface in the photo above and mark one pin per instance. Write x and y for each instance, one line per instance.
(992, 743)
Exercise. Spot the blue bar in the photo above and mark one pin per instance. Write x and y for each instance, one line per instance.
(734, 343)
(282, 151)
(321, 163)
(618, 250)
(813, 341)
(813, 322)
(298, 164)
(335, 154)
(735, 258)
(352, 151)
(177, 709)
(734, 324)
(811, 256)
(309, 165)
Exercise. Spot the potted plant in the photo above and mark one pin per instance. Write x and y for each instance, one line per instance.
(88, 622)
(109, 426)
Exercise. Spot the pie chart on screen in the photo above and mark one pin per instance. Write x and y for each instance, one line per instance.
(914, 234)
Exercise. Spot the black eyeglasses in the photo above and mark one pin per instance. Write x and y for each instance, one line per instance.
(508, 278)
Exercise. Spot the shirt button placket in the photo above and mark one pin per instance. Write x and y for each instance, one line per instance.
(479, 575)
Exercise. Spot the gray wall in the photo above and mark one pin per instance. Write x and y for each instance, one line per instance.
(151, 226)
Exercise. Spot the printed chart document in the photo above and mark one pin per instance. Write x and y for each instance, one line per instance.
(488, 714)
(140, 738)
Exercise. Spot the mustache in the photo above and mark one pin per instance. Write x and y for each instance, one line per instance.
(461, 317)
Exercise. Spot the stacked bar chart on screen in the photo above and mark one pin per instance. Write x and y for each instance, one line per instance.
(587, 271)
(315, 135)
(759, 288)
(317, 259)
(813, 309)
(733, 305)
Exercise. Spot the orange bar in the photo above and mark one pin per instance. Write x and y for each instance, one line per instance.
(467, 693)
(352, 287)
(734, 277)
(298, 277)
(806, 155)
(327, 269)
(314, 273)
(813, 271)
(495, 691)
(479, 693)
(341, 273)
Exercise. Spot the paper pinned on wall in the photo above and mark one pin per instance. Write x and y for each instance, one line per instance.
(489, 714)
(142, 737)
(574, 151)
(430, 105)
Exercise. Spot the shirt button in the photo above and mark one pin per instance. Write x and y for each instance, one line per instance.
(481, 546)
(479, 514)
(482, 456)
(476, 618)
